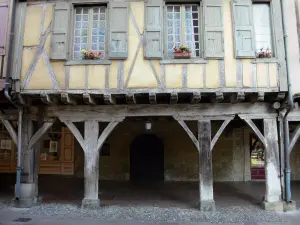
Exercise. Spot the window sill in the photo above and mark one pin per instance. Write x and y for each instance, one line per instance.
(88, 62)
(265, 60)
(184, 61)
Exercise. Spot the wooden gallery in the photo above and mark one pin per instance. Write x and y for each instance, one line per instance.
(145, 90)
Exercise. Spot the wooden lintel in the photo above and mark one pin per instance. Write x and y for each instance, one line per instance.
(294, 138)
(196, 98)
(237, 97)
(67, 99)
(218, 134)
(88, 99)
(152, 98)
(130, 98)
(48, 100)
(36, 137)
(173, 98)
(203, 118)
(217, 97)
(84, 112)
(109, 99)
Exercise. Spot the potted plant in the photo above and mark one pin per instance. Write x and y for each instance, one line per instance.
(183, 52)
(264, 53)
(90, 55)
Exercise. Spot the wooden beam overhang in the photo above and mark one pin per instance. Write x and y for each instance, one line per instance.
(151, 96)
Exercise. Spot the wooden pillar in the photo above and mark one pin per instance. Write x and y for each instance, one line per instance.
(206, 195)
(272, 169)
(91, 165)
(29, 185)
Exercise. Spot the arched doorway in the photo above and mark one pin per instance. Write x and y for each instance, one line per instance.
(147, 158)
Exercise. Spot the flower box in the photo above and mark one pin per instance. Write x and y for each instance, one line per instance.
(182, 55)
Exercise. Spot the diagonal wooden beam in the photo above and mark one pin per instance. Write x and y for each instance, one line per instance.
(256, 130)
(295, 137)
(189, 132)
(36, 137)
(218, 134)
(12, 132)
(110, 127)
(75, 132)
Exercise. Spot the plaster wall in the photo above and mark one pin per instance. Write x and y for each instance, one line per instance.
(40, 73)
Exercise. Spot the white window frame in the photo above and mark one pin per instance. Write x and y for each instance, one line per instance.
(73, 28)
(200, 26)
(273, 46)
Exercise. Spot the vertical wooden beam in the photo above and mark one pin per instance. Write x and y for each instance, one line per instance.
(206, 200)
(273, 187)
(91, 165)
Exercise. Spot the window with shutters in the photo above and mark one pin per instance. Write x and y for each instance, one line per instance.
(183, 27)
(262, 26)
(90, 30)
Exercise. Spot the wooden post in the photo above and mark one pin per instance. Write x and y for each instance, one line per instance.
(273, 188)
(206, 194)
(91, 165)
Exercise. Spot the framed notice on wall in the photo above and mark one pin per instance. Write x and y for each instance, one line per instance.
(53, 146)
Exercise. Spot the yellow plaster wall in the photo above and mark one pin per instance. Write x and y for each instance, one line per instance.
(142, 75)
(247, 73)
(96, 77)
(40, 76)
(174, 76)
(273, 74)
(77, 77)
(212, 74)
(195, 76)
(261, 71)
(33, 25)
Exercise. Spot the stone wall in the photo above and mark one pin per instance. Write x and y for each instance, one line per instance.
(180, 155)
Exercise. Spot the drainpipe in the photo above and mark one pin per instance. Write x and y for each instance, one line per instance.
(287, 169)
(6, 93)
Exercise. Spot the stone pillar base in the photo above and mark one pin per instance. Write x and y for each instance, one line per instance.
(289, 206)
(27, 196)
(272, 206)
(90, 203)
(206, 206)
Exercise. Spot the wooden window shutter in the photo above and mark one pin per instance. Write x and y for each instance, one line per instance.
(60, 27)
(213, 29)
(153, 29)
(118, 35)
(3, 26)
(244, 40)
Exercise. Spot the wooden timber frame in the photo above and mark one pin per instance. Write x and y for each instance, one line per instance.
(91, 115)
(92, 140)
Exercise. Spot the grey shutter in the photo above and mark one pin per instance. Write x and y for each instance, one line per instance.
(244, 40)
(3, 26)
(153, 47)
(118, 19)
(60, 27)
(213, 29)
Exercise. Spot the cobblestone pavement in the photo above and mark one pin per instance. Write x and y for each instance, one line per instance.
(66, 214)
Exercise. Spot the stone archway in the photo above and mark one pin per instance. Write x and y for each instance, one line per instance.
(147, 158)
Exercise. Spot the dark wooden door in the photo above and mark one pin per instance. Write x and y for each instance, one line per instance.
(147, 158)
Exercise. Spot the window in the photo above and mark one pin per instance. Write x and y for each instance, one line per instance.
(262, 26)
(183, 27)
(90, 28)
